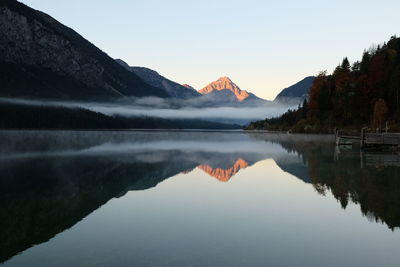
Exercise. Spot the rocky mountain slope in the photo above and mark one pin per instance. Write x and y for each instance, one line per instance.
(225, 91)
(224, 83)
(154, 79)
(296, 93)
(40, 57)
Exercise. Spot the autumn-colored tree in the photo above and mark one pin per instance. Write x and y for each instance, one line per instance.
(377, 76)
(315, 92)
(342, 79)
(380, 113)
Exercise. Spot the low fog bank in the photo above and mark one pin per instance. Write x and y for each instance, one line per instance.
(217, 114)
(167, 109)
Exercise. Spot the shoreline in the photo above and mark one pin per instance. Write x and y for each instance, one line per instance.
(164, 130)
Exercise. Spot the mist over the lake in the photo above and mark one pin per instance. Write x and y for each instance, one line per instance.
(167, 108)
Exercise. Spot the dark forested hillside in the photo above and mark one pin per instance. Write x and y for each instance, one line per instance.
(21, 116)
(366, 93)
(40, 57)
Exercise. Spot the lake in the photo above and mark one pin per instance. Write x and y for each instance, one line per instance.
(195, 198)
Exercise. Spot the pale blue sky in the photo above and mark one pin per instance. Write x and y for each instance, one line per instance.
(263, 46)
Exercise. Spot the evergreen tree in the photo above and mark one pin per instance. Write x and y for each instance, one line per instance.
(345, 64)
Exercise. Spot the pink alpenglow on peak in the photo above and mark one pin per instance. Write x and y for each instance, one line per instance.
(224, 83)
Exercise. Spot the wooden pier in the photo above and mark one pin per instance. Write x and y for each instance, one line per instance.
(370, 141)
(380, 140)
(345, 140)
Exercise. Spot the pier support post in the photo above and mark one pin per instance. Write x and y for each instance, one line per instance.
(362, 138)
(337, 137)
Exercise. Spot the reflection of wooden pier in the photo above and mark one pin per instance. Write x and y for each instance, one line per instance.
(368, 158)
(374, 159)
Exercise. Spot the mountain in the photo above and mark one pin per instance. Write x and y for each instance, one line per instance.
(224, 91)
(296, 93)
(40, 57)
(154, 79)
(224, 83)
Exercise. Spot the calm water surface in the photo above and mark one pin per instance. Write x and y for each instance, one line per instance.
(194, 199)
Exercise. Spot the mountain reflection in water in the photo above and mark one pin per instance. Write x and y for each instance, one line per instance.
(224, 175)
(51, 180)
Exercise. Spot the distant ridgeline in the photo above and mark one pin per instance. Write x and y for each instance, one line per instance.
(364, 94)
(40, 57)
(295, 94)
